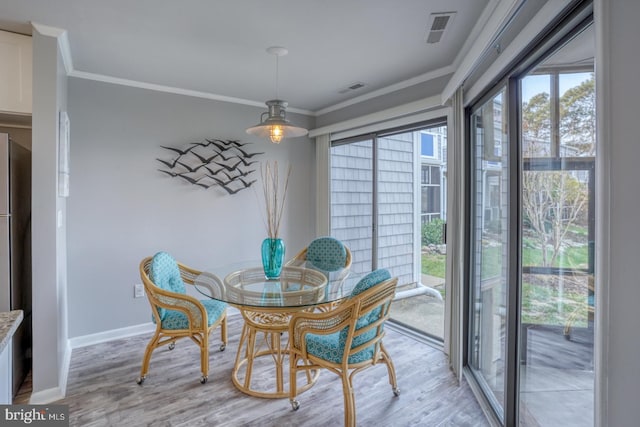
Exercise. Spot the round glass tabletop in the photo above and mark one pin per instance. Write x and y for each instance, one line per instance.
(244, 284)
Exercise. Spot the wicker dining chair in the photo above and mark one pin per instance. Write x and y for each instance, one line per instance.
(176, 314)
(345, 340)
(328, 255)
(324, 253)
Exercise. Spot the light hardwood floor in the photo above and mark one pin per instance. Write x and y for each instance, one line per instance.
(102, 390)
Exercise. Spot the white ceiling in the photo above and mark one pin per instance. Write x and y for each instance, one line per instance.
(218, 47)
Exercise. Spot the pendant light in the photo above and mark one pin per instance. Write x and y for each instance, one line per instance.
(274, 123)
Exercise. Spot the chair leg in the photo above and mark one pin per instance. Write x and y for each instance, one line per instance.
(349, 401)
(391, 369)
(223, 332)
(204, 357)
(146, 359)
(293, 375)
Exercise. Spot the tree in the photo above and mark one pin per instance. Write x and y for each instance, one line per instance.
(578, 117)
(432, 232)
(552, 202)
(536, 125)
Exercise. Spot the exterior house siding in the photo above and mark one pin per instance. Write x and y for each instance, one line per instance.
(352, 203)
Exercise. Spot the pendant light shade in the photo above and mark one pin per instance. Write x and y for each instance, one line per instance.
(274, 123)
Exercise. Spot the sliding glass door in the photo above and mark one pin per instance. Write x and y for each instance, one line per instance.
(490, 247)
(532, 237)
(557, 228)
(388, 204)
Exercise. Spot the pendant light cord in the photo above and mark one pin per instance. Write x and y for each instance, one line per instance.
(277, 71)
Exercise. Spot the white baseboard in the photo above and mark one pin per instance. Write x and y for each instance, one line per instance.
(46, 396)
(53, 394)
(114, 334)
(64, 369)
(56, 393)
(129, 331)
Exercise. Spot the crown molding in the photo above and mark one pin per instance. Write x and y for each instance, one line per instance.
(63, 42)
(174, 90)
(411, 108)
(450, 69)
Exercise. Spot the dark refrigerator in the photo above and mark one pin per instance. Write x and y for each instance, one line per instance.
(15, 248)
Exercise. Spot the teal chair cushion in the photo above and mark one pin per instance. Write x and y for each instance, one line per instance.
(331, 347)
(178, 320)
(368, 281)
(165, 274)
(327, 253)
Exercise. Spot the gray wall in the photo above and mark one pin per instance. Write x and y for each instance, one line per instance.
(618, 93)
(121, 208)
(49, 247)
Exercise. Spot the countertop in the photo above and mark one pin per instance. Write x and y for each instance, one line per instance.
(9, 322)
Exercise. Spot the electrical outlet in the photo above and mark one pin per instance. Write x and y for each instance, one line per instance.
(138, 290)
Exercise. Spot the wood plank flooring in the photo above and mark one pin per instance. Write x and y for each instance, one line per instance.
(102, 390)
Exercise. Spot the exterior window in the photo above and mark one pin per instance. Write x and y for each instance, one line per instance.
(427, 145)
(430, 192)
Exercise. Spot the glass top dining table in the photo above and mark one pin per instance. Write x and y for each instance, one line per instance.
(244, 284)
(266, 306)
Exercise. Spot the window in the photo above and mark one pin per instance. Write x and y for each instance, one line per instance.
(426, 145)
(532, 197)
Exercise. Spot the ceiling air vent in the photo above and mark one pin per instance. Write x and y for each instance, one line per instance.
(438, 24)
(351, 87)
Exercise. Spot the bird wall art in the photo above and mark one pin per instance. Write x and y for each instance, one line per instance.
(212, 163)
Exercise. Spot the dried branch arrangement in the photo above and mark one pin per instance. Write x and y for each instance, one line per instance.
(275, 196)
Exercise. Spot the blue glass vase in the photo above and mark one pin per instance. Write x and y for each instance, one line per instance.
(272, 257)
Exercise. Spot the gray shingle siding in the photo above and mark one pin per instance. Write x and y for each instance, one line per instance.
(351, 200)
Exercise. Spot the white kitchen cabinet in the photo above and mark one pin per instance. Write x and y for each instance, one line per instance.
(16, 68)
(6, 395)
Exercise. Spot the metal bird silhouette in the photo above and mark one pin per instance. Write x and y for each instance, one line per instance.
(227, 167)
(189, 167)
(172, 164)
(245, 162)
(205, 186)
(236, 143)
(239, 174)
(177, 150)
(212, 171)
(224, 185)
(189, 179)
(210, 152)
(206, 160)
(247, 184)
(216, 143)
(171, 174)
(245, 154)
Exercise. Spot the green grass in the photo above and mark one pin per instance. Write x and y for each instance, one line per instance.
(434, 264)
(540, 304)
(578, 230)
(572, 257)
(491, 261)
(543, 305)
